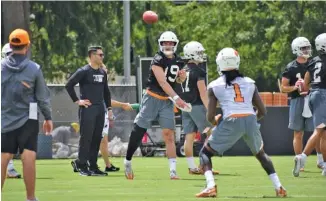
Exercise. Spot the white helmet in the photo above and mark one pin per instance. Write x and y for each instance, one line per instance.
(227, 59)
(320, 43)
(171, 37)
(5, 50)
(297, 45)
(194, 51)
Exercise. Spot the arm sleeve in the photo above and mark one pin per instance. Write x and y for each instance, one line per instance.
(201, 74)
(107, 93)
(158, 61)
(287, 73)
(43, 96)
(73, 80)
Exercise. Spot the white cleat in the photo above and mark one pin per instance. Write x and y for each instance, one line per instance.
(320, 165)
(173, 175)
(128, 171)
(324, 171)
(297, 165)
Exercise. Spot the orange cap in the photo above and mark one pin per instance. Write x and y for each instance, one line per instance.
(19, 37)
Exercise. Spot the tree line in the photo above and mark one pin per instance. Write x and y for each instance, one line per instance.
(262, 32)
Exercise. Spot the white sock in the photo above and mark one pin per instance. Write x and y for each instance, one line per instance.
(191, 163)
(275, 180)
(320, 158)
(126, 162)
(209, 179)
(304, 156)
(173, 164)
(10, 165)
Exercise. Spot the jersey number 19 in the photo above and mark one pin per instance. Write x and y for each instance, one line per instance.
(174, 69)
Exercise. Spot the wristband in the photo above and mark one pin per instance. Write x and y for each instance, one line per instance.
(175, 97)
(109, 108)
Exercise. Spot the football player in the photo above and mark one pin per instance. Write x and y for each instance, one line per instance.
(316, 78)
(165, 71)
(194, 92)
(236, 95)
(295, 71)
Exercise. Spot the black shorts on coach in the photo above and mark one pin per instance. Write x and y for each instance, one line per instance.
(22, 138)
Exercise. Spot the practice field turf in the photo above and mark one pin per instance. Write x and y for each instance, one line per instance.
(241, 178)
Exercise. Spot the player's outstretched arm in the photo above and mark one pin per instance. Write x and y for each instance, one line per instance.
(258, 103)
(161, 79)
(211, 110)
(124, 106)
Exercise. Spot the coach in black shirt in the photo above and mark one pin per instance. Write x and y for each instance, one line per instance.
(93, 90)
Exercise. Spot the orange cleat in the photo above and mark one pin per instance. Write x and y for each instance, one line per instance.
(281, 192)
(207, 193)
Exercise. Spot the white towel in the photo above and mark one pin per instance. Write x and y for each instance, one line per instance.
(306, 109)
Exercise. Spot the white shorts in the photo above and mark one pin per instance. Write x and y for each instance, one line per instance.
(105, 131)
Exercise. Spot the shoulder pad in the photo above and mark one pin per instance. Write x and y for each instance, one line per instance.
(158, 57)
(291, 64)
(218, 82)
(249, 80)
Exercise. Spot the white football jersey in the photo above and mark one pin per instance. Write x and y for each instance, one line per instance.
(234, 99)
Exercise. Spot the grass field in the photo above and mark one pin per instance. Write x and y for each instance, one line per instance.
(241, 178)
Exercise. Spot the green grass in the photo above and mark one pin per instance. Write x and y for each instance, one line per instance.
(241, 178)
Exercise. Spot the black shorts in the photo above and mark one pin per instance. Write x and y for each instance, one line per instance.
(22, 138)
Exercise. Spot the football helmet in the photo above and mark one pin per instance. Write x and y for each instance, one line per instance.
(301, 47)
(227, 59)
(168, 36)
(194, 51)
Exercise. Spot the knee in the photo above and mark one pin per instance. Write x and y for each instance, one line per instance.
(138, 130)
(298, 135)
(262, 156)
(168, 136)
(189, 139)
(206, 152)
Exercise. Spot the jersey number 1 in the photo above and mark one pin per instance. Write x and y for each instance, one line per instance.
(238, 96)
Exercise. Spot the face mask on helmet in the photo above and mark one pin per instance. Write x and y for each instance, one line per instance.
(168, 43)
(195, 51)
(305, 52)
(301, 47)
(168, 47)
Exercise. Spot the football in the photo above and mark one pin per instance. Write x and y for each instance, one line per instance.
(300, 85)
(150, 17)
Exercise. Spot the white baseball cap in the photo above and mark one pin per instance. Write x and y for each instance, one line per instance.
(6, 49)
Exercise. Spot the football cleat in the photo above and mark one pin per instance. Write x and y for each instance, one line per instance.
(207, 192)
(297, 165)
(128, 172)
(13, 174)
(173, 175)
(195, 171)
(281, 192)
